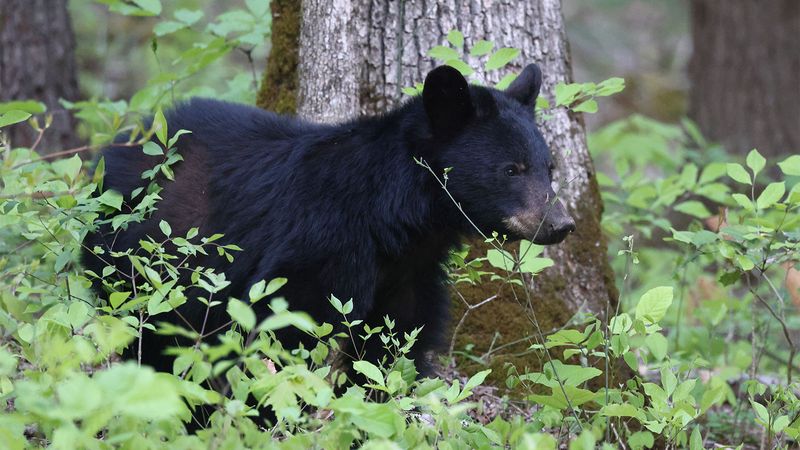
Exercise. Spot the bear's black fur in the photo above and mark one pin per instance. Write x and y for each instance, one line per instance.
(345, 209)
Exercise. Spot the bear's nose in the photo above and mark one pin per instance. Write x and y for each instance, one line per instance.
(563, 227)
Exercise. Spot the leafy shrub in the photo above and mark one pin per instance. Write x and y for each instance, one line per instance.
(691, 359)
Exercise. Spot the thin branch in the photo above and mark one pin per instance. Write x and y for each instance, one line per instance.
(464, 317)
(786, 333)
(83, 148)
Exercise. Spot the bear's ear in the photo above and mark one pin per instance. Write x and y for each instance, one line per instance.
(525, 87)
(446, 99)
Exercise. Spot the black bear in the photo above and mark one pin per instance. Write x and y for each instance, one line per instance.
(346, 210)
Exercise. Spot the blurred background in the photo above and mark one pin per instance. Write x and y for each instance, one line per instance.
(647, 42)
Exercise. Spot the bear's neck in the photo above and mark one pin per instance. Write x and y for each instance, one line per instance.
(406, 204)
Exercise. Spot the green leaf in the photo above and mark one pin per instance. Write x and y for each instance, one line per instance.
(118, 298)
(755, 161)
(703, 237)
(151, 6)
(657, 344)
(370, 371)
(29, 106)
(684, 390)
(696, 440)
(588, 106)
(62, 260)
(744, 262)
(761, 411)
(323, 330)
(668, 380)
(743, 201)
(569, 374)
(534, 265)
(712, 172)
(737, 172)
(621, 410)
(771, 195)
(274, 285)
(654, 303)
(567, 93)
(379, 419)
(456, 38)
(585, 441)
(501, 57)
(506, 81)
(610, 86)
(656, 394)
(461, 66)
(347, 308)
(443, 53)
(12, 117)
(165, 228)
(69, 167)
(481, 48)
(620, 324)
(631, 360)
(500, 259)
(336, 303)
(160, 127)
(780, 423)
(577, 397)
(111, 198)
(188, 16)
(167, 27)
(472, 383)
(174, 139)
(693, 208)
(790, 165)
(242, 314)
(641, 439)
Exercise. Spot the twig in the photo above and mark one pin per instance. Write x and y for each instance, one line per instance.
(249, 53)
(464, 317)
(38, 139)
(71, 151)
(38, 195)
(786, 333)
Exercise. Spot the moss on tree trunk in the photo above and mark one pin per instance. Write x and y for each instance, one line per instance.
(278, 91)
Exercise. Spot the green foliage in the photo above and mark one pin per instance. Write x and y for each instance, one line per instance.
(651, 373)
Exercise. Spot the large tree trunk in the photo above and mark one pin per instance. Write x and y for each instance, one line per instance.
(386, 48)
(329, 55)
(745, 74)
(37, 63)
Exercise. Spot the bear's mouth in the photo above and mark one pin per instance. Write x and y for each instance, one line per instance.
(539, 231)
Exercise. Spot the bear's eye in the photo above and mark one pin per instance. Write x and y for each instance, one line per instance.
(511, 171)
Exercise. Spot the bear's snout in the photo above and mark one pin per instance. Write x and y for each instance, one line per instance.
(542, 227)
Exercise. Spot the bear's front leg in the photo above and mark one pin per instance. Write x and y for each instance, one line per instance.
(421, 302)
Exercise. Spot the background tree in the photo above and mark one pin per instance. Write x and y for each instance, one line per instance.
(385, 48)
(745, 74)
(37, 63)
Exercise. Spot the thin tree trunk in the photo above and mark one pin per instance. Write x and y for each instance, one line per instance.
(386, 47)
(37, 62)
(745, 74)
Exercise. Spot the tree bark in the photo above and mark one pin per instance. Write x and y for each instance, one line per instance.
(745, 74)
(37, 62)
(328, 56)
(386, 48)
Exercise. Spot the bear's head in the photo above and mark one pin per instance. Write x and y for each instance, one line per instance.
(499, 167)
